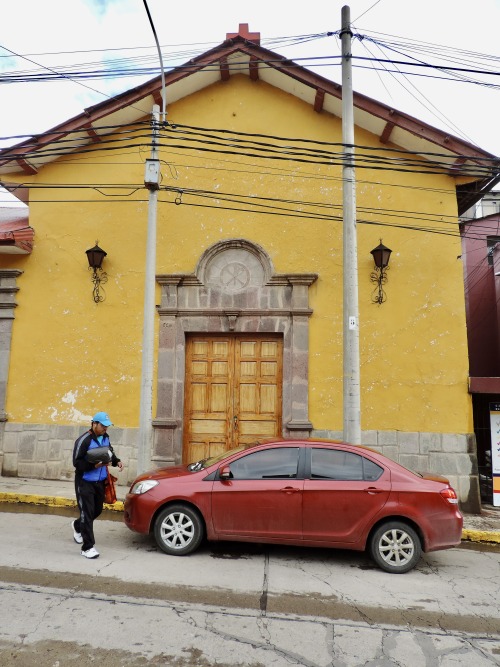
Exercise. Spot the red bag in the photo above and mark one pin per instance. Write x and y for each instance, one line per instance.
(109, 489)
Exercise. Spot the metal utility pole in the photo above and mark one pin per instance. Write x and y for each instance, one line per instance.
(152, 182)
(351, 404)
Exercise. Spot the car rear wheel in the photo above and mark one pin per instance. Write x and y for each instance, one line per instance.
(178, 530)
(395, 547)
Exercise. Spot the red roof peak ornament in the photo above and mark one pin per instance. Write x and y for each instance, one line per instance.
(245, 33)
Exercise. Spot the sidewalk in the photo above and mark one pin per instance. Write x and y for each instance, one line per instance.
(484, 527)
(49, 492)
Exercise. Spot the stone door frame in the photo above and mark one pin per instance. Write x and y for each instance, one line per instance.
(234, 289)
(8, 290)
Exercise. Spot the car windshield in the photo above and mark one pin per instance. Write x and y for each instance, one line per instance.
(206, 463)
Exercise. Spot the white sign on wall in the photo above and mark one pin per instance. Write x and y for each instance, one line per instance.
(495, 451)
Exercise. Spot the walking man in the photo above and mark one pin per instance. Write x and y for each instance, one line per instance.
(89, 480)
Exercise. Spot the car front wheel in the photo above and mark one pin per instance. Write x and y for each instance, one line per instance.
(395, 547)
(178, 530)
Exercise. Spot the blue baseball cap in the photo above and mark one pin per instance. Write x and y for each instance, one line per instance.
(102, 418)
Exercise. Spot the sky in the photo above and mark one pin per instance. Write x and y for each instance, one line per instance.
(85, 34)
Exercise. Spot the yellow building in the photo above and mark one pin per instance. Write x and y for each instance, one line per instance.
(248, 323)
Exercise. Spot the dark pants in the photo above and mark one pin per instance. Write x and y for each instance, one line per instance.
(90, 499)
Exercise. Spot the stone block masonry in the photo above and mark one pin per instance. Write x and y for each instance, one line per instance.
(44, 451)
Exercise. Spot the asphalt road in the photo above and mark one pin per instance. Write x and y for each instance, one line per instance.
(236, 605)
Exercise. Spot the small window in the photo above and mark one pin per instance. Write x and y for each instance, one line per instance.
(278, 463)
(491, 242)
(342, 466)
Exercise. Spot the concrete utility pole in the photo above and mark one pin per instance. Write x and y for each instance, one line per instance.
(152, 182)
(352, 405)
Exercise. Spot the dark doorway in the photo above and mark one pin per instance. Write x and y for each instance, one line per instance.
(481, 415)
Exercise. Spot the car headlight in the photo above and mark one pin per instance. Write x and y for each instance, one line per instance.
(144, 486)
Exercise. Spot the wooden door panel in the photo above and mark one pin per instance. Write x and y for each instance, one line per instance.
(209, 427)
(268, 401)
(233, 392)
(248, 398)
(248, 369)
(270, 348)
(218, 398)
(202, 450)
(220, 348)
(258, 399)
(199, 397)
(216, 448)
(255, 428)
(196, 451)
(269, 369)
(247, 348)
(220, 369)
(200, 347)
(199, 368)
(206, 398)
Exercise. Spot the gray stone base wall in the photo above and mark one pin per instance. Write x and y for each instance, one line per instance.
(45, 451)
(42, 451)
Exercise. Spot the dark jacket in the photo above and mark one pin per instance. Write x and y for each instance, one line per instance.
(81, 448)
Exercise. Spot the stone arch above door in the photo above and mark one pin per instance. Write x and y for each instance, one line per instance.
(233, 289)
(234, 266)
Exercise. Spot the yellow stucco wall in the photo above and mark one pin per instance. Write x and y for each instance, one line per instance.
(70, 356)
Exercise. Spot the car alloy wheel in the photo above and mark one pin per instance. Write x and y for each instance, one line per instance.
(178, 530)
(395, 547)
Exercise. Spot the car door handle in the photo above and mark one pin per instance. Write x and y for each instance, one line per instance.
(373, 490)
(290, 489)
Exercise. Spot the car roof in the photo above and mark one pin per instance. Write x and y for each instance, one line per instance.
(309, 441)
(328, 441)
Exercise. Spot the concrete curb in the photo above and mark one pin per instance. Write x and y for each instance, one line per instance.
(49, 501)
(470, 535)
(481, 536)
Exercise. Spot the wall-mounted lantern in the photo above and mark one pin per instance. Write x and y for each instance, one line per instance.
(95, 257)
(381, 255)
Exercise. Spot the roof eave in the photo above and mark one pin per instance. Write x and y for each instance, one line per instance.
(391, 118)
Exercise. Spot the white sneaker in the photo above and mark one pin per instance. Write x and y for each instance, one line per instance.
(91, 553)
(76, 536)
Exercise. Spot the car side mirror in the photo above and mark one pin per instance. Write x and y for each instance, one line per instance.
(225, 473)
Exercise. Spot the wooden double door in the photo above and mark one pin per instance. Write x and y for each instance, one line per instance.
(233, 392)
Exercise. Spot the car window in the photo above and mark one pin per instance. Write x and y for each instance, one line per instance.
(371, 471)
(278, 463)
(341, 465)
(206, 463)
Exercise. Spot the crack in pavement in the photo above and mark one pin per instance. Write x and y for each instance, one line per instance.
(387, 645)
(263, 597)
(287, 603)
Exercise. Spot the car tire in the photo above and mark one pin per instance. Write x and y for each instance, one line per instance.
(178, 530)
(395, 547)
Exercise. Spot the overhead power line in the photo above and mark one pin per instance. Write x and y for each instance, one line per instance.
(257, 146)
(146, 65)
(289, 208)
(122, 69)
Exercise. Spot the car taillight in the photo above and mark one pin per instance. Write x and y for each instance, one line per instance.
(450, 495)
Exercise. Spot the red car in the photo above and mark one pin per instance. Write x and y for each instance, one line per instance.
(318, 493)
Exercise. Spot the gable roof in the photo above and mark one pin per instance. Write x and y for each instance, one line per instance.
(241, 53)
